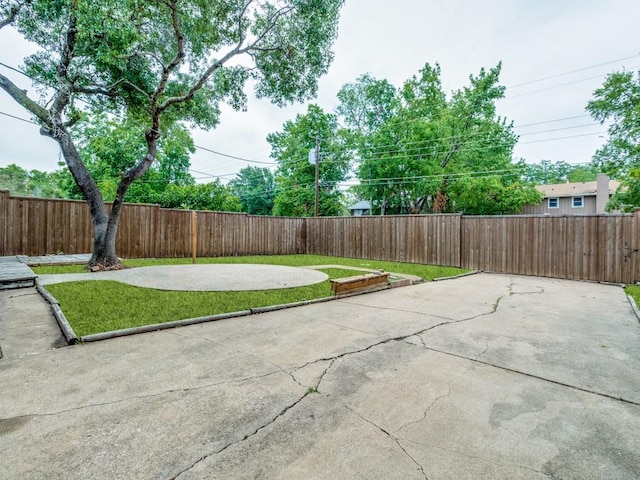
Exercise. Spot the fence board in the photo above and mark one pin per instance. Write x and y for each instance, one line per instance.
(596, 248)
(4, 221)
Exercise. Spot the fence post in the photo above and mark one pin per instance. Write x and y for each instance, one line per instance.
(461, 240)
(4, 206)
(635, 231)
(194, 235)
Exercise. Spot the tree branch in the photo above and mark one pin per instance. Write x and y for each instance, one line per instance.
(12, 13)
(21, 97)
(240, 18)
(177, 60)
(63, 93)
(237, 50)
(95, 90)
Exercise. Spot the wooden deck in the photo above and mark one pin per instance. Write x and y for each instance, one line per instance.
(15, 274)
(36, 261)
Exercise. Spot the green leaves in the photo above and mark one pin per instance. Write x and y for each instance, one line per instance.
(211, 196)
(31, 183)
(164, 63)
(256, 189)
(618, 101)
(295, 178)
(548, 172)
(421, 151)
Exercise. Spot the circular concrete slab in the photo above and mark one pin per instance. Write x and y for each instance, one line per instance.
(214, 277)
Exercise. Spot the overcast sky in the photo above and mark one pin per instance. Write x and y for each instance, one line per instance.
(575, 42)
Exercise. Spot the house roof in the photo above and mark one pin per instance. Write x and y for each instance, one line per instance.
(362, 205)
(574, 189)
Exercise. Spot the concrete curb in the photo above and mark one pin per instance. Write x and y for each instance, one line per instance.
(635, 308)
(161, 326)
(273, 308)
(473, 272)
(63, 323)
(72, 339)
(212, 318)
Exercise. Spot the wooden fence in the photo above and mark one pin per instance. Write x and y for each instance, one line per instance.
(597, 248)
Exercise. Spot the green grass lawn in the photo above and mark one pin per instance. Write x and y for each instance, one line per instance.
(102, 306)
(634, 292)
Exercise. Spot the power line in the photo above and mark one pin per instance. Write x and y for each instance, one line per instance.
(564, 138)
(416, 150)
(234, 156)
(509, 97)
(584, 125)
(552, 121)
(572, 71)
(19, 118)
(118, 116)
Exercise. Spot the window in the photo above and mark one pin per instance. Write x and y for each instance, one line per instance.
(554, 203)
(577, 202)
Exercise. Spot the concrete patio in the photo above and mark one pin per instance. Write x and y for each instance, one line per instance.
(486, 376)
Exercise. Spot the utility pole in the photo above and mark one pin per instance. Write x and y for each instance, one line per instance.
(317, 173)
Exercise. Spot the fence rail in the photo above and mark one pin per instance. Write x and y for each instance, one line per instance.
(597, 248)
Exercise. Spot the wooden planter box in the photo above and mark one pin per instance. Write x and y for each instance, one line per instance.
(359, 283)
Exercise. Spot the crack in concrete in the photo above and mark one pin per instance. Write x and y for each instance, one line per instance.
(448, 394)
(402, 337)
(540, 292)
(332, 359)
(245, 437)
(436, 400)
(531, 375)
(477, 457)
(150, 395)
(513, 284)
(495, 306)
(322, 375)
(375, 307)
(392, 437)
(261, 427)
(275, 365)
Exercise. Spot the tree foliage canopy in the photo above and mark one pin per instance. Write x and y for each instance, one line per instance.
(31, 182)
(255, 187)
(155, 64)
(431, 152)
(547, 172)
(295, 177)
(618, 101)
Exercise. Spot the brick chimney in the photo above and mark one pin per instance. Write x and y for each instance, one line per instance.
(602, 192)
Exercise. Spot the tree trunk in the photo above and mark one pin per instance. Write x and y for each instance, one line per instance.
(105, 226)
(104, 244)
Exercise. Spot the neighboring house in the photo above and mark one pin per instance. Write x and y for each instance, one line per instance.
(360, 208)
(583, 198)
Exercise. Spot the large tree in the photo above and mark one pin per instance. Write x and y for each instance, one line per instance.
(295, 179)
(443, 154)
(618, 101)
(157, 63)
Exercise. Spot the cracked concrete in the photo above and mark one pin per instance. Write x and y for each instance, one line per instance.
(486, 376)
